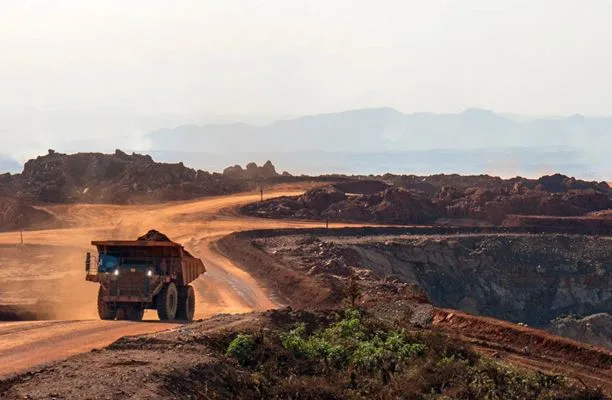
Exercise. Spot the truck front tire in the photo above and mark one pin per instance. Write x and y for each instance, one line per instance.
(166, 302)
(186, 305)
(106, 311)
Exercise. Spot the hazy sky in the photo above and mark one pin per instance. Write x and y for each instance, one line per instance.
(75, 73)
(301, 57)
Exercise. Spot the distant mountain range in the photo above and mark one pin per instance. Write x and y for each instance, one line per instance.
(368, 140)
(386, 129)
(364, 141)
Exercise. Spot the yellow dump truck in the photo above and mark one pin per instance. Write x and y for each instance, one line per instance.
(152, 272)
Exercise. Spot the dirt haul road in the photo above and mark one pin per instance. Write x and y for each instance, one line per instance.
(57, 257)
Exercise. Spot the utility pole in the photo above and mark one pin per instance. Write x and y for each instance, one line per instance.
(20, 220)
(261, 192)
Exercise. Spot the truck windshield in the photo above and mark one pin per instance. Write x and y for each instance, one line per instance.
(110, 262)
(107, 263)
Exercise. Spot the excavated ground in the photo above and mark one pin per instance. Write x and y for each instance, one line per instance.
(523, 278)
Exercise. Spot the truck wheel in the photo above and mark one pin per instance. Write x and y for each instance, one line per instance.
(166, 302)
(186, 305)
(106, 311)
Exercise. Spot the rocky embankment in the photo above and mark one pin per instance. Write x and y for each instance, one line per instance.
(111, 178)
(122, 178)
(524, 278)
(429, 203)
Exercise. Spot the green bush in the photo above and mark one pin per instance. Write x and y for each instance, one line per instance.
(350, 342)
(242, 348)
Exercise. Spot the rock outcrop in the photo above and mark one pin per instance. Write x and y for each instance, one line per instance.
(253, 172)
(112, 178)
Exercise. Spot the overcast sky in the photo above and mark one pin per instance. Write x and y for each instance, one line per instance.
(194, 58)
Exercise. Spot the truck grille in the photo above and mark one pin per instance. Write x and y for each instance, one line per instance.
(129, 284)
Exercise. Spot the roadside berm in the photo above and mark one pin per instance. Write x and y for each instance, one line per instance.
(325, 354)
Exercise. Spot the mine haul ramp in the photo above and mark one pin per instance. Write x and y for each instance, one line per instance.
(135, 275)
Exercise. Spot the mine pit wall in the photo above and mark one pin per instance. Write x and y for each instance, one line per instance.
(528, 278)
(520, 277)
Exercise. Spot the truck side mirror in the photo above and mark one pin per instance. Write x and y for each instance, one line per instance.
(88, 262)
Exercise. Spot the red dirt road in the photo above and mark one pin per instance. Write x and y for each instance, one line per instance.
(196, 224)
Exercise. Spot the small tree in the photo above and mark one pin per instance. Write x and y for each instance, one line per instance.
(353, 289)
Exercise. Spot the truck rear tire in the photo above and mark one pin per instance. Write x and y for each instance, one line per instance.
(186, 305)
(166, 302)
(106, 311)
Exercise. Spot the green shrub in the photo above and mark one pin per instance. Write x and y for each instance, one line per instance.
(350, 327)
(351, 342)
(242, 348)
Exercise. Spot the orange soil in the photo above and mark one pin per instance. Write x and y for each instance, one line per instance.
(196, 224)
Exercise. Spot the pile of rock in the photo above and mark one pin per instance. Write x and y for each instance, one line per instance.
(394, 205)
(495, 205)
(552, 196)
(112, 178)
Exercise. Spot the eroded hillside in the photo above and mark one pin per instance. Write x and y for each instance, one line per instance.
(524, 278)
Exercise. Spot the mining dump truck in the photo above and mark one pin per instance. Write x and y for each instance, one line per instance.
(152, 272)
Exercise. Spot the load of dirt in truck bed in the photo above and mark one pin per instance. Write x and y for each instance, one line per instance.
(154, 236)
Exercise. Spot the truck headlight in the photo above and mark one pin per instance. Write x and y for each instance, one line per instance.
(116, 272)
(149, 273)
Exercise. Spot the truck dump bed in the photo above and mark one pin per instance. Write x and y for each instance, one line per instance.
(191, 267)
